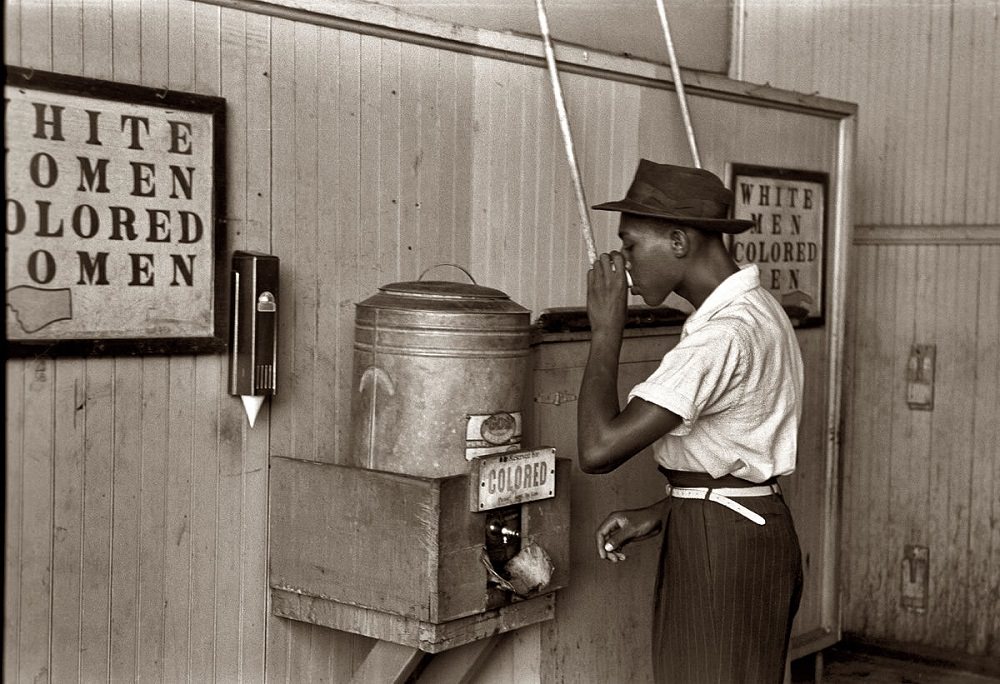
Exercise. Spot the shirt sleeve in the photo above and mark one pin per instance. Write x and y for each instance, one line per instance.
(697, 377)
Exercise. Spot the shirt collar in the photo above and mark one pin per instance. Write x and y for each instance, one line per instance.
(739, 283)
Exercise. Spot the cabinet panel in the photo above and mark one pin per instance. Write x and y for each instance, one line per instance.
(605, 599)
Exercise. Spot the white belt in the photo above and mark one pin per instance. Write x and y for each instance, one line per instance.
(721, 496)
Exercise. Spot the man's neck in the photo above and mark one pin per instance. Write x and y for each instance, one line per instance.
(706, 274)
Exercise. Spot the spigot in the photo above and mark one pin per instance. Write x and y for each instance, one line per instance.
(503, 531)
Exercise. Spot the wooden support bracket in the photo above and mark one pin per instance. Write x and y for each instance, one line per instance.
(395, 663)
(388, 662)
(459, 665)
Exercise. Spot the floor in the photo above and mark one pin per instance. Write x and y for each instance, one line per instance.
(844, 667)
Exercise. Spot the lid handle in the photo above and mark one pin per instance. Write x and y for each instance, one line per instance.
(426, 271)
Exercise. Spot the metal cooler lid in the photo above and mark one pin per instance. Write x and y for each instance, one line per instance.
(443, 296)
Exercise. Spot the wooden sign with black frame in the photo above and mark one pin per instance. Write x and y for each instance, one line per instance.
(115, 241)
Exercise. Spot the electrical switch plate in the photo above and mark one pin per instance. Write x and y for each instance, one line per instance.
(920, 377)
(915, 572)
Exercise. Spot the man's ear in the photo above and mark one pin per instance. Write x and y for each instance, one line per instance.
(680, 242)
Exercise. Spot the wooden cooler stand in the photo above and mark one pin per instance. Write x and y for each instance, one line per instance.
(398, 557)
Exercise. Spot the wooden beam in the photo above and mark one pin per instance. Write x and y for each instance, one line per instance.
(388, 662)
(459, 665)
(426, 636)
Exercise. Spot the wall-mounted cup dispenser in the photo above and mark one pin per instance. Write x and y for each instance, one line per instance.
(253, 354)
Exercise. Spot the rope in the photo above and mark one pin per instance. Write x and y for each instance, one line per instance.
(567, 136)
(678, 84)
(581, 201)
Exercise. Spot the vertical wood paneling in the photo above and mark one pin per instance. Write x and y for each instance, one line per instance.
(256, 441)
(12, 32)
(69, 444)
(155, 41)
(126, 40)
(906, 449)
(13, 475)
(303, 231)
(126, 444)
(67, 22)
(346, 227)
(921, 488)
(984, 533)
(951, 439)
(960, 103)
(922, 74)
(282, 130)
(990, 170)
(203, 570)
(315, 195)
(127, 416)
(153, 458)
(919, 48)
(901, 201)
(461, 90)
(95, 608)
(941, 466)
(863, 424)
(96, 28)
(177, 527)
(981, 169)
(67, 548)
(234, 68)
(328, 242)
(895, 90)
(852, 358)
(143, 454)
(32, 565)
(231, 470)
(924, 78)
(805, 490)
(36, 517)
(386, 87)
(881, 408)
(408, 159)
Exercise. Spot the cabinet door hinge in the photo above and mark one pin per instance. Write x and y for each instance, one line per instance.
(556, 398)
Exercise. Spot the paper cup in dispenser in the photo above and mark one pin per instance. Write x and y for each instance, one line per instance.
(439, 373)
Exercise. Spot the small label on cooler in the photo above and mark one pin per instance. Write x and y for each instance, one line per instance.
(493, 433)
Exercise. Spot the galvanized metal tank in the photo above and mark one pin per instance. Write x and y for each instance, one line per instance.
(439, 375)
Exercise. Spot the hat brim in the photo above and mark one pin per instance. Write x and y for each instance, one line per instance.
(627, 206)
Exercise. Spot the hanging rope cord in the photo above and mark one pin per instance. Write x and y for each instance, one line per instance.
(567, 136)
(675, 69)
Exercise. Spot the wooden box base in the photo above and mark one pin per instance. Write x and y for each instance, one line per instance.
(426, 636)
(398, 557)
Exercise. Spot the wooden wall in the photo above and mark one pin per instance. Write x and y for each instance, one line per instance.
(925, 269)
(136, 495)
(135, 500)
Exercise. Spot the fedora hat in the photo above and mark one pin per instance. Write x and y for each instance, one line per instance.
(694, 197)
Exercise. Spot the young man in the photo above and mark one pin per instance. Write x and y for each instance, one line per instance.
(721, 413)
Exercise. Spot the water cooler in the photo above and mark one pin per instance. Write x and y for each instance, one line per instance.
(445, 528)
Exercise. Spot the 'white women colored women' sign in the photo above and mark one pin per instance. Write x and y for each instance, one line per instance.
(109, 218)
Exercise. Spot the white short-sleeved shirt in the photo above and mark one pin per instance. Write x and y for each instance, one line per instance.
(735, 378)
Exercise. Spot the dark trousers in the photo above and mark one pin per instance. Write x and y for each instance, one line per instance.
(727, 589)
